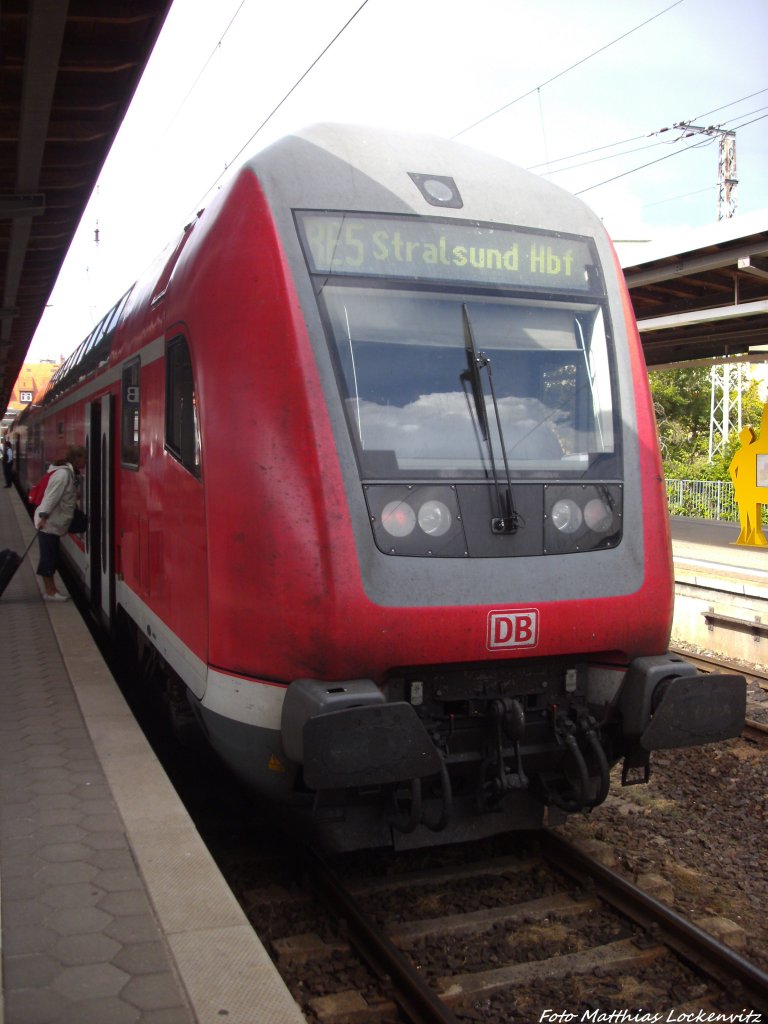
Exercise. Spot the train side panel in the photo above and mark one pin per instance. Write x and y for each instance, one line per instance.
(268, 480)
(161, 526)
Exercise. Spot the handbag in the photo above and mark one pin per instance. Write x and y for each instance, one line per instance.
(79, 522)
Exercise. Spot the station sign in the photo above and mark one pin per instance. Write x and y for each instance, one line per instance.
(424, 248)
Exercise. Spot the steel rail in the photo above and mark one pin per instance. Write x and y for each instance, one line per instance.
(753, 730)
(718, 662)
(719, 961)
(410, 991)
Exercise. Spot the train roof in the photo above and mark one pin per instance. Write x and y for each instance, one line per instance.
(354, 168)
(341, 158)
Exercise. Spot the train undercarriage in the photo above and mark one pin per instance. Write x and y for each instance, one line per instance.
(447, 754)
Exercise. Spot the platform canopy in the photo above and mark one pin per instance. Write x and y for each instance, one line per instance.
(68, 72)
(704, 294)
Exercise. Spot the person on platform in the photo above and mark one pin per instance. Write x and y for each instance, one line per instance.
(8, 462)
(53, 516)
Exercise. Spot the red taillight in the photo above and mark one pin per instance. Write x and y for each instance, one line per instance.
(398, 518)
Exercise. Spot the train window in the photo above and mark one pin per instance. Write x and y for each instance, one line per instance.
(96, 336)
(417, 404)
(112, 318)
(130, 419)
(165, 277)
(182, 433)
(77, 357)
(89, 354)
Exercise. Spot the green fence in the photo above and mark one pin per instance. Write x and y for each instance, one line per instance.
(702, 499)
(705, 499)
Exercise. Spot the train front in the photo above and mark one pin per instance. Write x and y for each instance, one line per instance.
(494, 638)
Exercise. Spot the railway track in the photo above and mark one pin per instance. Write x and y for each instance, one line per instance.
(503, 939)
(439, 936)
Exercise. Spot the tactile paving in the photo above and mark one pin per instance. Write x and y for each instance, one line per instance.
(80, 940)
(113, 908)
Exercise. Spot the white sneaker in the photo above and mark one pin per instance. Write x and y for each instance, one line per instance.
(55, 597)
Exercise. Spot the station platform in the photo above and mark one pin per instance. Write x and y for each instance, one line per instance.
(712, 545)
(721, 590)
(112, 909)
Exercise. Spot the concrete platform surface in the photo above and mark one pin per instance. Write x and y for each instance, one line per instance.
(709, 540)
(113, 911)
(721, 591)
(706, 555)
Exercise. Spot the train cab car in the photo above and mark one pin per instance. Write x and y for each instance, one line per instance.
(374, 471)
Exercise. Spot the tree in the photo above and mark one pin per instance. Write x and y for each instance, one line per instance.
(682, 400)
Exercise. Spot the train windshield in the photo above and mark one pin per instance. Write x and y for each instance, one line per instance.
(434, 382)
(461, 345)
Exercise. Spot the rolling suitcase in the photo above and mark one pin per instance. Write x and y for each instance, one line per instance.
(9, 563)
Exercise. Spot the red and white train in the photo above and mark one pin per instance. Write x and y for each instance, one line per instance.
(373, 468)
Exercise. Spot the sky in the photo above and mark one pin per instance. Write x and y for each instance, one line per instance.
(586, 93)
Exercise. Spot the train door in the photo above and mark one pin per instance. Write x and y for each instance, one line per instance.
(91, 504)
(99, 503)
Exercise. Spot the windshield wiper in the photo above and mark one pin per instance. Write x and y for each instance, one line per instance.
(472, 374)
(507, 519)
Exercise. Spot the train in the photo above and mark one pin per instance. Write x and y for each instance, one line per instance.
(373, 473)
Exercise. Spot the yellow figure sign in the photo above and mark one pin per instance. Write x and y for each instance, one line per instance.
(749, 472)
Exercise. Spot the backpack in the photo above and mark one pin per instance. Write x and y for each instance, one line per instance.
(37, 492)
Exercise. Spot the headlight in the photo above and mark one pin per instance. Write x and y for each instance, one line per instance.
(416, 519)
(598, 515)
(398, 518)
(566, 515)
(435, 518)
(582, 517)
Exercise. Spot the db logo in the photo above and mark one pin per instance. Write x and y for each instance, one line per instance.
(513, 629)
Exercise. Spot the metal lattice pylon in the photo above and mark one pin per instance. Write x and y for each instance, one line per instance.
(726, 164)
(727, 180)
(725, 406)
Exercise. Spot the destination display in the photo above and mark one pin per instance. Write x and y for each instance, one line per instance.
(421, 248)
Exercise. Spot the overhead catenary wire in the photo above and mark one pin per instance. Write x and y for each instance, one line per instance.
(731, 104)
(706, 141)
(565, 71)
(210, 57)
(685, 195)
(586, 152)
(537, 89)
(719, 128)
(601, 159)
(640, 149)
(293, 88)
(197, 206)
(753, 121)
(648, 135)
